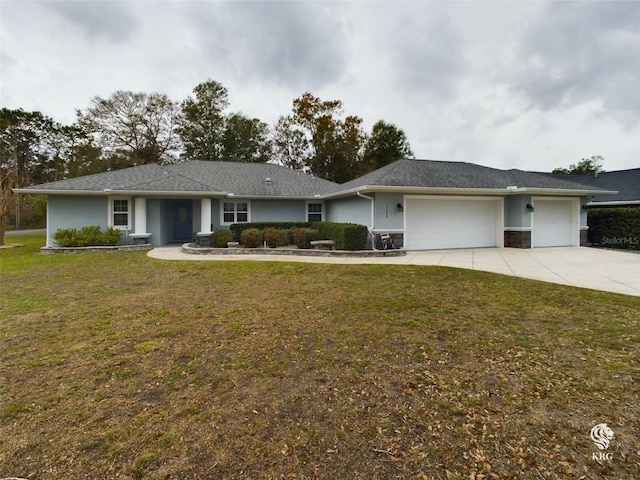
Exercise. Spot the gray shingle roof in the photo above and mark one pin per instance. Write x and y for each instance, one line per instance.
(443, 174)
(626, 182)
(250, 179)
(241, 179)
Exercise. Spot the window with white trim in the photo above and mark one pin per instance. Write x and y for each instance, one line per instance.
(234, 212)
(120, 213)
(315, 212)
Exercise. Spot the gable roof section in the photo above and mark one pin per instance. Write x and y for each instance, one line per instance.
(195, 177)
(436, 174)
(626, 182)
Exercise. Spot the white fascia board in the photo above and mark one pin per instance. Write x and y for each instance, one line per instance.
(469, 191)
(419, 190)
(565, 192)
(122, 193)
(614, 203)
(270, 197)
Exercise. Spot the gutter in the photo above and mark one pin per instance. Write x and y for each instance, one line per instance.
(620, 203)
(468, 191)
(373, 216)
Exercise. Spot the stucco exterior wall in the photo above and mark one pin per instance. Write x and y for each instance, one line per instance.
(277, 211)
(75, 212)
(349, 210)
(387, 214)
(515, 211)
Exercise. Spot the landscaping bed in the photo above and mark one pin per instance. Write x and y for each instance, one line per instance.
(194, 249)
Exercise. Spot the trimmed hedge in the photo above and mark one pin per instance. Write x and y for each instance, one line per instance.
(302, 237)
(614, 227)
(88, 236)
(276, 237)
(251, 238)
(221, 237)
(347, 236)
(238, 228)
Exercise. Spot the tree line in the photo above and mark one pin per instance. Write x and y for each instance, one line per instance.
(137, 128)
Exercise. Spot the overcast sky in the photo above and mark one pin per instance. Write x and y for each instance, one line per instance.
(531, 85)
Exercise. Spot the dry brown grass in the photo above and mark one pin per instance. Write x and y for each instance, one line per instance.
(120, 366)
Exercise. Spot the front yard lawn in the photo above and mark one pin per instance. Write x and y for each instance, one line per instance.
(122, 366)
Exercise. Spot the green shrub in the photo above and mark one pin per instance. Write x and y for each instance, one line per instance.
(614, 227)
(221, 237)
(348, 236)
(275, 237)
(303, 236)
(90, 235)
(111, 236)
(67, 237)
(238, 228)
(251, 238)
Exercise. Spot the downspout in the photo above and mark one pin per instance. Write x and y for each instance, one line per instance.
(373, 217)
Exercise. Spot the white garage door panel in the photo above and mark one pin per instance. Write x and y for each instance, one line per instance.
(440, 224)
(552, 224)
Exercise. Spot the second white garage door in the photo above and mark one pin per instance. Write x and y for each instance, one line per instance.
(432, 223)
(554, 223)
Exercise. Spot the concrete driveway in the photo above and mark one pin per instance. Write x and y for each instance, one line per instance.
(606, 270)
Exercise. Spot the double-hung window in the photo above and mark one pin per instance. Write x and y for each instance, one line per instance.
(120, 213)
(315, 212)
(235, 212)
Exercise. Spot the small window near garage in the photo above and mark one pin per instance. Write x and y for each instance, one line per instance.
(235, 212)
(120, 214)
(314, 212)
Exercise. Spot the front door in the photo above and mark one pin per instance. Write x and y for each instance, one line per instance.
(182, 220)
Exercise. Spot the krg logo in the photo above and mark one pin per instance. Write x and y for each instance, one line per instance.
(602, 435)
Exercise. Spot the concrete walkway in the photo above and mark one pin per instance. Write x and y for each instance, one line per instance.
(606, 270)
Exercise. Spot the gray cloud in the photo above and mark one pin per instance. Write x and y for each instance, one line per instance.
(112, 20)
(293, 43)
(426, 53)
(578, 52)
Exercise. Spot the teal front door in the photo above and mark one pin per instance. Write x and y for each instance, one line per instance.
(182, 220)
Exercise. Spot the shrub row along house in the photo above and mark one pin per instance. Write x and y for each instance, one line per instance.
(424, 204)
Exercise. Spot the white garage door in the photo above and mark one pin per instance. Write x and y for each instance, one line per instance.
(552, 223)
(440, 224)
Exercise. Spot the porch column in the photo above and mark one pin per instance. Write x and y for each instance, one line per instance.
(205, 215)
(140, 235)
(141, 215)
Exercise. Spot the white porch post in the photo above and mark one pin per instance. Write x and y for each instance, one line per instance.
(141, 215)
(140, 234)
(205, 215)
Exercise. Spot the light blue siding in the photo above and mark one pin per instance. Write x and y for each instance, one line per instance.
(388, 216)
(278, 211)
(515, 211)
(583, 211)
(349, 210)
(75, 212)
(158, 221)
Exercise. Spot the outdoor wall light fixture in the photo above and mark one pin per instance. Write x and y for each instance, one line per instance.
(529, 207)
(400, 208)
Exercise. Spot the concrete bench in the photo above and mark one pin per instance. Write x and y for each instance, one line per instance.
(323, 244)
